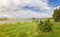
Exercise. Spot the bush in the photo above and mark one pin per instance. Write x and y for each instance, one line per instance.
(39, 27)
(45, 26)
(57, 20)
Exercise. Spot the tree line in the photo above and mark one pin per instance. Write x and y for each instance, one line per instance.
(56, 15)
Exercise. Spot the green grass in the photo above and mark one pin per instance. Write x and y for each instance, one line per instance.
(27, 29)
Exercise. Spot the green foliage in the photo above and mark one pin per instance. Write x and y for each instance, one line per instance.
(56, 14)
(40, 26)
(45, 26)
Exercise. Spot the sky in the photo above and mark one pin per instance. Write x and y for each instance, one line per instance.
(28, 8)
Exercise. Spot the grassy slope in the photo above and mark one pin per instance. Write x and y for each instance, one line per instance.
(17, 30)
(27, 29)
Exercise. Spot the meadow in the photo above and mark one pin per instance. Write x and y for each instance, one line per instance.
(27, 29)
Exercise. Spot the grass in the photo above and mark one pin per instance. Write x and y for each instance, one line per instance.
(27, 29)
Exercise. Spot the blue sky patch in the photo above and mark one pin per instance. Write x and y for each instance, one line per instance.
(54, 3)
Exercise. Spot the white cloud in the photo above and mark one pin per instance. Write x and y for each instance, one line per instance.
(14, 8)
(4, 3)
(57, 7)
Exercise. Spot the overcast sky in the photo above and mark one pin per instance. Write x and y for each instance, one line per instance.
(28, 8)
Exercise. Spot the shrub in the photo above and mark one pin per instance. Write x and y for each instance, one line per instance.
(45, 26)
(39, 27)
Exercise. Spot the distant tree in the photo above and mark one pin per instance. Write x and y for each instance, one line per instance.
(33, 19)
(56, 14)
(5, 18)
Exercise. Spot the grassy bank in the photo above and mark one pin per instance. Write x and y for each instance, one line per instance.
(27, 29)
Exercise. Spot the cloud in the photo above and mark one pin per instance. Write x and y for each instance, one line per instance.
(15, 8)
(56, 7)
(31, 14)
